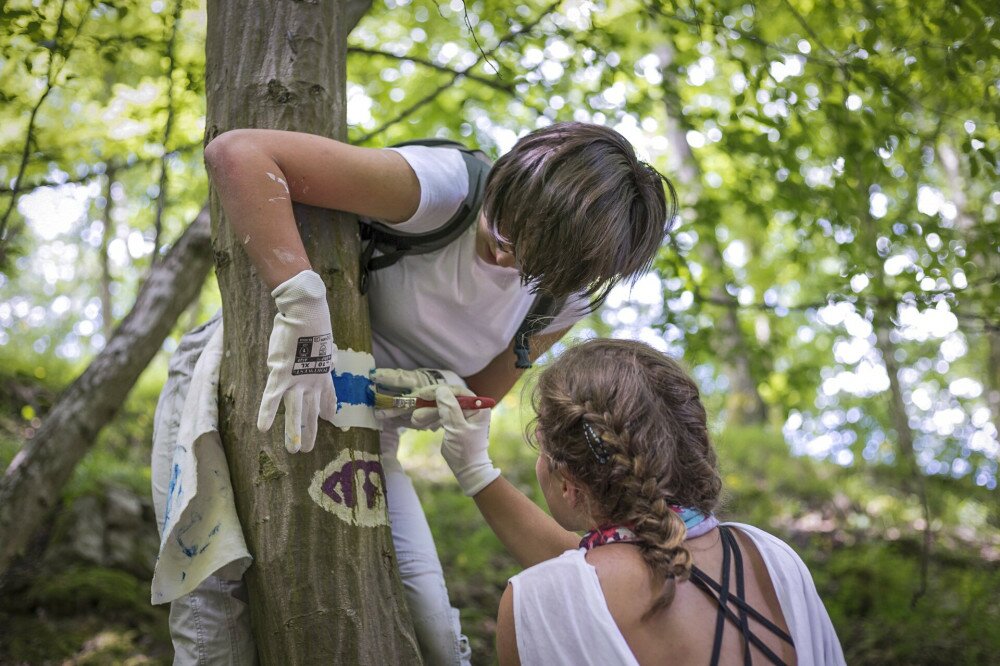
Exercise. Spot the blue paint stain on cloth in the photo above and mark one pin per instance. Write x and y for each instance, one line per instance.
(174, 487)
(353, 390)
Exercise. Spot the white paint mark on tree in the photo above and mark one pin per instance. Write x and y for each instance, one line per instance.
(352, 487)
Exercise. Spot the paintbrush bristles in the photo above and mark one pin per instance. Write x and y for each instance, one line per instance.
(383, 401)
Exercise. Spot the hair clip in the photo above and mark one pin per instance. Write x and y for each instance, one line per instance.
(596, 444)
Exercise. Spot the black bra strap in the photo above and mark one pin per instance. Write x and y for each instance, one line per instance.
(754, 640)
(711, 587)
(723, 599)
(721, 594)
(728, 535)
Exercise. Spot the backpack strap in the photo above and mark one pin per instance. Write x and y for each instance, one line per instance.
(395, 244)
(542, 312)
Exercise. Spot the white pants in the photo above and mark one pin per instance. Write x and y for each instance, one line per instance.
(211, 625)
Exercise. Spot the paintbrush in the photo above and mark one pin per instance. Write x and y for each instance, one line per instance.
(383, 401)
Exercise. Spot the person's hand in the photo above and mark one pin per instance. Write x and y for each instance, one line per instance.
(408, 382)
(466, 441)
(300, 354)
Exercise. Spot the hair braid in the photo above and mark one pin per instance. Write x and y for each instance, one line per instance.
(659, 528)
(652, 426)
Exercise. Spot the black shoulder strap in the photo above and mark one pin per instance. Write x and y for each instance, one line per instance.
(542, 312)
(395, 244)
(721, 594)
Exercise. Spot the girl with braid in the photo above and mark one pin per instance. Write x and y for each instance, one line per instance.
(625, 457)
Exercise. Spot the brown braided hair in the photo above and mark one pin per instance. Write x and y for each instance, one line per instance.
(649, 417)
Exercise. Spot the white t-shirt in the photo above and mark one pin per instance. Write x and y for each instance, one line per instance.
(448, 308)
(562, 618)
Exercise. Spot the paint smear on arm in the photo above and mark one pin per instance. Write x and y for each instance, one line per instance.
(278, 179)
(287, 257)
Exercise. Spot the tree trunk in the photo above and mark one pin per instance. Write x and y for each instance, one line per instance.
(988, 263)
(744, 402)
(32, 483)
(324, 586)
(107, 234)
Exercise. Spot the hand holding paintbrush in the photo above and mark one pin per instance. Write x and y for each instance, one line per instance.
(405, 398)
(408, 402)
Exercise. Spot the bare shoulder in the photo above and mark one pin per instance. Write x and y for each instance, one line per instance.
(506, 631)
(624, 579)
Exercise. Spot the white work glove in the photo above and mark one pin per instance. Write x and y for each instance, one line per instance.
(466, 441)
(299, 357)
(409, 382)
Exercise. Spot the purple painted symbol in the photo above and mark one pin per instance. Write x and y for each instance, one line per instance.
(345, 479)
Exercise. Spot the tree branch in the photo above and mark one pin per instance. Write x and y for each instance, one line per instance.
(356, 9)
(92, 173)
(812, 33)
(486, 81)
(107, 312)
(30, 132)
(510, 36)
(32, 483)
(161, 195)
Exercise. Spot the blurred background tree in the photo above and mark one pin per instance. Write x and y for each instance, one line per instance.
(831, 282)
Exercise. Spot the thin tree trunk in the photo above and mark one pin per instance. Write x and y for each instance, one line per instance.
(323, 589)
(107, 233)
(988, 264)
(33, 482)
(744, 403)
(884, 309)
(161, 195)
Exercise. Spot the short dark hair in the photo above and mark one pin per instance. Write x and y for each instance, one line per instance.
(580, 211)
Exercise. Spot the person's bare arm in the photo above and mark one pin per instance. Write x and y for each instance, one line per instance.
(525, 530)
(497, 378)
(506, 633)
(259, 173)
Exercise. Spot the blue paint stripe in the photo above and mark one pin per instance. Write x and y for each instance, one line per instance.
(174, 478)
(353, 390)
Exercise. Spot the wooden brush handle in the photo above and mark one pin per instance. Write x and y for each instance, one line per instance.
(464, 401)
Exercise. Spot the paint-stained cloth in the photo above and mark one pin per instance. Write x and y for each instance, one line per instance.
(200, 534)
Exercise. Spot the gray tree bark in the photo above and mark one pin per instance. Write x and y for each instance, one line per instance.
(323, 589)
(32, 484)
(744, 402)
(107, 311)
(988, 263)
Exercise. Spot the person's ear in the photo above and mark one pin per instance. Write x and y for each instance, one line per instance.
(570, 491)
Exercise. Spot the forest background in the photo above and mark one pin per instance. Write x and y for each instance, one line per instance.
(832, 282)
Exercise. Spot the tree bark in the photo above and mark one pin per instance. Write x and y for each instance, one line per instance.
(323, 588)
(988, 263)
(744, 402)
(107, 234)
(31, 485)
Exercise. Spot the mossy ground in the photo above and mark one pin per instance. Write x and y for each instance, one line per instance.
(86, 616)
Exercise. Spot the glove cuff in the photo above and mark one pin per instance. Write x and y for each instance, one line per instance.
(436, 377)
(452, 378)
(304, 285)
(473, 481)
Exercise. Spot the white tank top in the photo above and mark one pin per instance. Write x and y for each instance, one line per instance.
(561, 616)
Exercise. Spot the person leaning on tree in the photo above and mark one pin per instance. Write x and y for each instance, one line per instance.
(569, 212)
